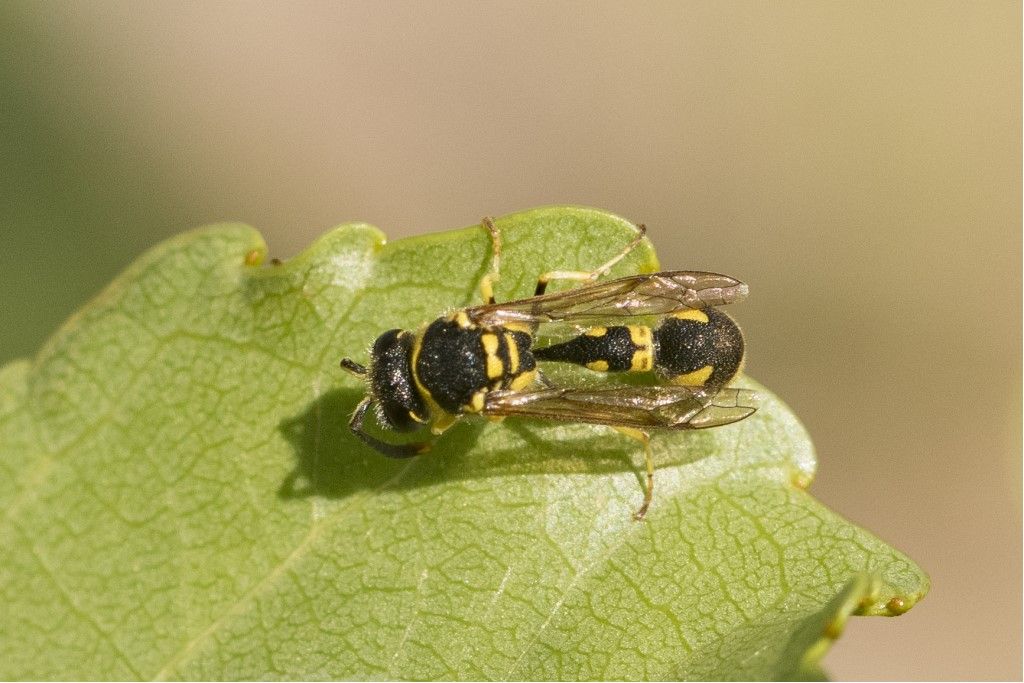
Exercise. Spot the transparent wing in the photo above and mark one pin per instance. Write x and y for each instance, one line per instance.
(642, 407)
(652, 294)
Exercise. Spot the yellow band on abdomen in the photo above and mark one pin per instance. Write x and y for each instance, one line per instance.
(697, 378)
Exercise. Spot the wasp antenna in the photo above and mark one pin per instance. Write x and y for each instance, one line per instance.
(353, 367)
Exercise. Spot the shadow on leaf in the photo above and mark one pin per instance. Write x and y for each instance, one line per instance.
(333, 463)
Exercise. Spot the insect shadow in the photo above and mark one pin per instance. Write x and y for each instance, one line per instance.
(332, 463)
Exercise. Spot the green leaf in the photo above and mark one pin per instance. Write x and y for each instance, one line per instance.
(183, 499)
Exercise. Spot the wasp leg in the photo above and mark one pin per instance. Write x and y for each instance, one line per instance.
(543, 380)
(442, 423)
(392, 450)
(645, 439)
(589, 276)
(487, 283)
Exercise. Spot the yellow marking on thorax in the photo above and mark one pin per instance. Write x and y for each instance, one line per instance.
(596, 332)
(495, 368)
(432, 408)
(513, 353)
(417, 346)
(691, 314)
(599, 365)
(476, 402)
(522, 381)
(462, 320)
(697, 378)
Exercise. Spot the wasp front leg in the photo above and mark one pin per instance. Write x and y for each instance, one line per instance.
(391, 450)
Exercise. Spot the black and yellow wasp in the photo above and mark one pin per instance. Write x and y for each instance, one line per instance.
(481, 360)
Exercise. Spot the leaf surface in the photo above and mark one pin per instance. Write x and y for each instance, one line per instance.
(183, 499)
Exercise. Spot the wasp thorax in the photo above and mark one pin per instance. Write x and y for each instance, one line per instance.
(399, 405)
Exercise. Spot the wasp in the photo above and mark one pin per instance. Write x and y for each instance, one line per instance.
(482, 360)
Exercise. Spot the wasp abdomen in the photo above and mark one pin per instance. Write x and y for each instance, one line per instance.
(690, 348)
(620, 348)
(699, 348)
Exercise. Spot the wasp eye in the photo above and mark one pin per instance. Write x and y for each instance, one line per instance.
(399, 403)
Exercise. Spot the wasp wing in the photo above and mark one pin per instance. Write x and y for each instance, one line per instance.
(641, 407)
(651, 294)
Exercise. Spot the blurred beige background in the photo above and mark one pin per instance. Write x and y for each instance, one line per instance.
(858, 164)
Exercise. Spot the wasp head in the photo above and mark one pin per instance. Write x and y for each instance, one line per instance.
(391, 384)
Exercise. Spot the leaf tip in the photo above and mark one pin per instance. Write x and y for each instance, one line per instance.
(885, 600)
(254, 257)
(801, 479)
(895, 606)
(898, 605)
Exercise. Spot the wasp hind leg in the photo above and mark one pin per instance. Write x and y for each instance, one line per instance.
(391, 450)
(645, 439)
(487, 283)
(589, 276)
